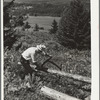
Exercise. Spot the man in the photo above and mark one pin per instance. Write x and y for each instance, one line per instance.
(26, 56)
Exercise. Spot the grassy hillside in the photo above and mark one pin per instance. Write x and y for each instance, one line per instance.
(72, 61)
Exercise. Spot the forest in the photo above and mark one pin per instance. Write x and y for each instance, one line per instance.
(44, 8)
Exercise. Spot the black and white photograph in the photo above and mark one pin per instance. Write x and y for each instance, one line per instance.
(47, 50)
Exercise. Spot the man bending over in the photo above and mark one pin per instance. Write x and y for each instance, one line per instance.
(26, 56)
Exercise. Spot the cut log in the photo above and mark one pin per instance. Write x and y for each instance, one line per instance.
(73, 76)
(69, 75)
(56, 95)
(88, 98)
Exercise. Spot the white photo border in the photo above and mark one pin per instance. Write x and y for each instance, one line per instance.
(94, 49)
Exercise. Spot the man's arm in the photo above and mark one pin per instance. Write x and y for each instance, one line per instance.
(33, 59)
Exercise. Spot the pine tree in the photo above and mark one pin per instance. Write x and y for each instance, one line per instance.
(6, 14)
(36, 28)
(54, 28)
(74, 27)
(9, 33)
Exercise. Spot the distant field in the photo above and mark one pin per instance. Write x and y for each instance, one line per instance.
(42, 21)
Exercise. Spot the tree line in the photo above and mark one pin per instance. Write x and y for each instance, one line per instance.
(75, 26)
(41, 10)
(44, 9)
(74, 29)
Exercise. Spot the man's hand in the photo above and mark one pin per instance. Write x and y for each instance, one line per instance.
(34, 62)
(46, 54)
(50, 55)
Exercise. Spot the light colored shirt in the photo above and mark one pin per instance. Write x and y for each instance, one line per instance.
(29, 53)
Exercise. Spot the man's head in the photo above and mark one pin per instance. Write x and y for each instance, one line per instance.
(41, 47)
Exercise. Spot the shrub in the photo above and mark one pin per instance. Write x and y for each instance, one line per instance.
(20, 21)
(27, 26)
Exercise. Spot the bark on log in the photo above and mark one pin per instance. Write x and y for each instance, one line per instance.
(73, 76)
(56, 95)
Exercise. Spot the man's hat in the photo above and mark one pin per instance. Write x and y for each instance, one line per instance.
(41, 47)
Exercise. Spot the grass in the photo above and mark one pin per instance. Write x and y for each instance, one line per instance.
(72, 61)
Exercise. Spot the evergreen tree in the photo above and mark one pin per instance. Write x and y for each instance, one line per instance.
(6, 10)
(36, 28)
(9, 33)
(74, 27)
(54, 28)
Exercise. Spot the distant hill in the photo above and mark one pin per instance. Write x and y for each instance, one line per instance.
(39, 1)
(45, 7)
(44, 1)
